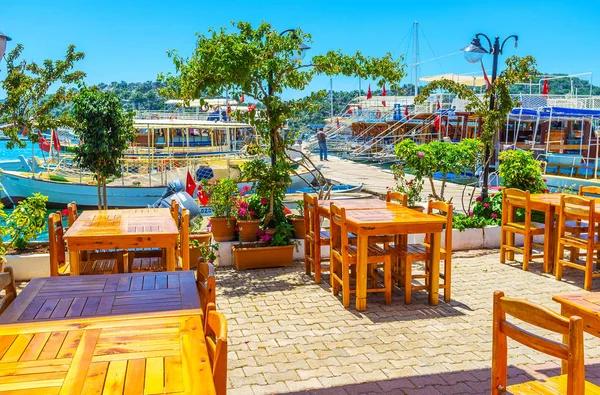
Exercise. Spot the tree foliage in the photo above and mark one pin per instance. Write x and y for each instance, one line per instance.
(105, 131)
(28, 104)
(517, 70)
(519, 169)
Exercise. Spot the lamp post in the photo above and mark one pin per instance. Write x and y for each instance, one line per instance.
(3, 39)
(302, 48)
(473, 54)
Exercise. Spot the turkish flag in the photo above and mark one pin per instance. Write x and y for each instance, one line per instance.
(55, 141)
(202, 196)
(369, 94)
(44, 145)
(546, 88)
(406, 111)
(383, 93)
(242, 98)
(190, 185)
(24, 132)
(228, 109)
(437, 123)
(439, 107)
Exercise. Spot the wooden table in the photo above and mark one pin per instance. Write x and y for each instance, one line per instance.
(353, 204)
(55, 298)
(122, 229)
(397, 220)
(160, 353)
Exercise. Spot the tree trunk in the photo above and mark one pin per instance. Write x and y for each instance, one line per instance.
(432, 187)
(443, 186)
(104, 193)
(98, 181)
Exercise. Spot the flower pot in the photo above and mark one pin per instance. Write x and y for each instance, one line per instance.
(223, 229)
(255, 257)
(417, 208)
(248, 229)
(195, 252)
(270, 231)
(298, 223)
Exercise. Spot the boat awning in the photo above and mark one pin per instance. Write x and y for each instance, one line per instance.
(555, 112)
(186, 123)
(470, 80)
(210, 102)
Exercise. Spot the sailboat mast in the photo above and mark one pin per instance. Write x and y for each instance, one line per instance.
(416, 56)
(331, 98)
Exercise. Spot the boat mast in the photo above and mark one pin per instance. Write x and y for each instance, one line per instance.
(331, 97)
(416, 56)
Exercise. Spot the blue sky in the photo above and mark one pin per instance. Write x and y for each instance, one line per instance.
(127, 40)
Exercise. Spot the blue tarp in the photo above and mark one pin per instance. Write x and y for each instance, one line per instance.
(557, 112)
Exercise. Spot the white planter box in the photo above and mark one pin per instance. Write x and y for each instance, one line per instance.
(469, 239)
(27, 267)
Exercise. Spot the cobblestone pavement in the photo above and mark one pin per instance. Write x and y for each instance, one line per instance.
(288, 335)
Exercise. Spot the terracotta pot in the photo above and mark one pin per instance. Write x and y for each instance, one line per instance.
(195, 253)
(256, 257)
(299, 230)
(223, 229)
(270, 231)
(417, 208)
(248, 229)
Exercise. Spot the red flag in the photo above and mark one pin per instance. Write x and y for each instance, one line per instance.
(190, 185)
(437, 123)
(546, 88)
(44, 145)
(242, 98)
(337, 122)
(55, 141)
(488, 84)
(406, 111)
(24, 132)
(383, 93)
(349, 111)
(439, 107)
(369, 94)
(228, 109)
(202, 196)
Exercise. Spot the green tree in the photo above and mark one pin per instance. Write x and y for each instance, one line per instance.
(105, 131)
(28, 104)
(261, 63)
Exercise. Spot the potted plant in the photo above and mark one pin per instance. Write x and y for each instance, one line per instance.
(249, 210)
(297, 220)
(269, 251)
(221, 194)
(198, 238)
(411, 188)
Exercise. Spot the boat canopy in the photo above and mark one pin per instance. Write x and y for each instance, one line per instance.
(555, 112)
(470, 80)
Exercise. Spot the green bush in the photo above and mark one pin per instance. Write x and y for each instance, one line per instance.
(27, 221)
(221, 194)
(519, 169)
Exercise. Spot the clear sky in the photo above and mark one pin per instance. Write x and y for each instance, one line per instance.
(126, 40)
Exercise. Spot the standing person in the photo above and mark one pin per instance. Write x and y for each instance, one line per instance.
(322, 138)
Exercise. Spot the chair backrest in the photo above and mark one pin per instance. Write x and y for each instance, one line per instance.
(512, 199)
(175, 211)
(338, 230)
(184, 239)
(72, 213)
(57, 242)
(540, 317)
(585, 190)
(206, 284)
(216, 344)
(7, 283)
(576, 208)
(312, 224)
(399, 197)
(443, 210)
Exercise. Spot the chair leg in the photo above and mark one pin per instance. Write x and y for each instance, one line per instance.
(502, 246)
(408, 281)
(510, 240)
(447, 277)
(558, 264)
(387, 279)
(317, 263)
(307, 254)
(527, 240)
(589, 268)
(346, 284)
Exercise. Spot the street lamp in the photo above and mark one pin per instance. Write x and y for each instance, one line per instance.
(474, 53)
(3, 39)
(302, 48)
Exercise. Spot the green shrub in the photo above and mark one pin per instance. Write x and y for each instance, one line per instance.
(519, 169)
(27, 220)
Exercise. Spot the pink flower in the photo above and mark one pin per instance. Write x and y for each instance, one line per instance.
(470, 213)
(420, 154)
(236, 228)
(263, 200)
(486, 205)
(251, 213)
(494, 215)
(246, 188)
(209, 224)
(479, 199)
(244, 204)
(545, 180)
(265, 238)
(65, 212)
(260, 233)
(242, 212)
(386, 187)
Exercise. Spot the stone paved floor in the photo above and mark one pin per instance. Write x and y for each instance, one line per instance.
(288, 335)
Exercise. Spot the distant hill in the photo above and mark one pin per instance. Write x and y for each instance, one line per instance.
(137, 95)
(561, 86)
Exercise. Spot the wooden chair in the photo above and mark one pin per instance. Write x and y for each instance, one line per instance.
(216, 344)
(175, 211)
(408, 254)
(72, 213)
(206, 285)
(401, 198)
(513, 199)
(577, 208)
(159, 263)
(573, 382)
(344, 256)
(58, 265)
(578, 227)
(587, 190)
(7, 283)
(314, 238)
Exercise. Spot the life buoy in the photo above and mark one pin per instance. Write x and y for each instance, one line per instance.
(205, 108)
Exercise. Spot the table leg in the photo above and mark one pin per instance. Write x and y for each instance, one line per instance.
(74, 262)
(549, 240)
(361, 273)
(565, 340)
(434, 272)
(170, 259)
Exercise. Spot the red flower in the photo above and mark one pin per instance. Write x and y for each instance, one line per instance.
(263, 200)
(478, 199)
(486, 205)
(65, 212)
(494, 215)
